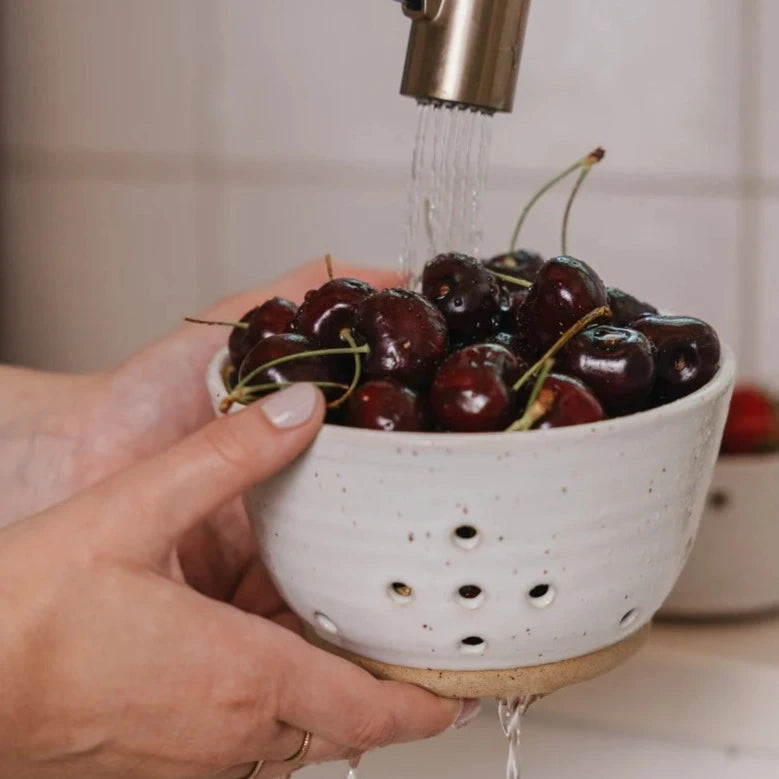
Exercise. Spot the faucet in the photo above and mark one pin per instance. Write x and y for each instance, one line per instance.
(464, 52)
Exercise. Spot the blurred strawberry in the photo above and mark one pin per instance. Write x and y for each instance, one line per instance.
(753, 424)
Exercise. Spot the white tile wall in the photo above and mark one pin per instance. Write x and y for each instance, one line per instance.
(655, 83)
(272, 228)
(767, 296)
(662, 95)
(318, 80)
(93, 269)
(99, 74)
(250, 136)
(768, 72)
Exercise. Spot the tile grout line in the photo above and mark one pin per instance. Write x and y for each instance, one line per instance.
(209, 181)
(84, 164)
(748, 261)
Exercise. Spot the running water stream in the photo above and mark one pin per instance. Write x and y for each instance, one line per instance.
(510, 713)
(448, 175)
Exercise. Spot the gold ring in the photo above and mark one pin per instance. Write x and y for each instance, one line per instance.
(256, 770)
(303, 751)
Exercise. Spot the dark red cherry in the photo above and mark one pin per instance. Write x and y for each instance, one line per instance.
(502, 338)
(753, 422)
(625, 308)
(566, 401)
(237, 342)
(230, 377)
(383, 404)
(615, 363)
(406, 335)
(520, 264)
(319, 368)
(686, 352)
(513, 343)
(273, 317)
(466, 293)
(565, 290)
(472, 390)
(495, 356)
(510, 301)
(326, 311)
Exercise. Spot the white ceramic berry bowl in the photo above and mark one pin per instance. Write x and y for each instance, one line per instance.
(574, 537)
(732, 570)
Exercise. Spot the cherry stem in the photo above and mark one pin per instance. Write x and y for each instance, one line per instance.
(256, 389)
(533, 411)
(428, 210)
(347, 336)
(590, 160)
(573, 330)
(241, 325)
(329, 266)
(239, 390)
(544, 372)
(512, 279)
(579, 181)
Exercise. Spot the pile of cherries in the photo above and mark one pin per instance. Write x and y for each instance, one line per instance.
(511, 343)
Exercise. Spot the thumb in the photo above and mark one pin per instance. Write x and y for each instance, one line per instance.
(153, 503)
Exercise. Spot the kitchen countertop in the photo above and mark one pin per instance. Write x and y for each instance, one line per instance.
(700, 700)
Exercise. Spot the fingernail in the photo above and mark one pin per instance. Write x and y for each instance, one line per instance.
(354, 760)
(290, 407)
(469, 711)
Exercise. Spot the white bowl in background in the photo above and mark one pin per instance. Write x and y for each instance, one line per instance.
(573, 536)
(733, 569)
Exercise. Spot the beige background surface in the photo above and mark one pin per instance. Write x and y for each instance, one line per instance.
(157, 154)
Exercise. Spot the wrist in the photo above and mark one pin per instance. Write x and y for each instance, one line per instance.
(11, 655)
(25, 391)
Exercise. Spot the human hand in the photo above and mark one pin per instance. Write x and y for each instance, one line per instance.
(60, 434)
(111, 665)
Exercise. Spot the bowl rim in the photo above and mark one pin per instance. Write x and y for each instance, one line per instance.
(722, 380)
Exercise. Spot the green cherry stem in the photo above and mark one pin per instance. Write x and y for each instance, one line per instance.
(590, 160)
(512, 279)
(564, 233)
(299, 356)
(585, 171)
(543, 373)
(533, 412)
(573, 330)
(257, 389)
(241, 325)
(239, 390)
(346, 335)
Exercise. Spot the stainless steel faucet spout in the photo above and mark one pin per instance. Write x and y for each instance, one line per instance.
(465, 51)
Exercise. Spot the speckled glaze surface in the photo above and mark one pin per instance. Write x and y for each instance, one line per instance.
(580, 533)
(733, 568)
